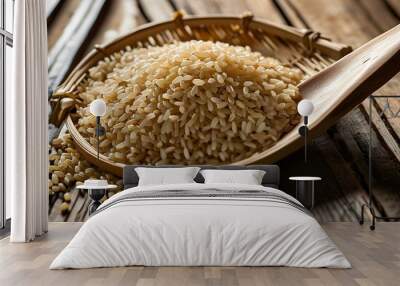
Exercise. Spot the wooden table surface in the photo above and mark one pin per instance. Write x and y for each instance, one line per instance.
(375, 258)
(340, 156)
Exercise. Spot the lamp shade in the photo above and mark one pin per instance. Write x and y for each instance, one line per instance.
(305, 107)
(98, 107)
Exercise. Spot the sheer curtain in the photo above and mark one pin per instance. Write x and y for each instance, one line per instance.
(26, 124)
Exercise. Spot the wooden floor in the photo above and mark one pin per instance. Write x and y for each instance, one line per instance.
(375, 257)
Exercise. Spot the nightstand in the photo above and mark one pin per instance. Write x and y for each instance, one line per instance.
(97, 190)
(305, 190)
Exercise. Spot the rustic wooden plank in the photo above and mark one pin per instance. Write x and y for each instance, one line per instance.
(72, 204)
(344, 23)
(83, 213)
(199, 7)
(54, 214)
(388, 123)
(260, 8)
(77, 207)
(123, 17)
(229, 7)
(70, 44)
(265, 9)
(385, 174)
(378, 14)
(290, 14)
(52, 8)
(52, 200)
(161, 10)
(394, 7)
(384, 130)
(56, 29)
(346, 189)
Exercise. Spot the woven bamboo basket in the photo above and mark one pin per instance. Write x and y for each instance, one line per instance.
(304, 49)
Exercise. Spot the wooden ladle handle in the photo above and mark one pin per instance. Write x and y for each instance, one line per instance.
(346, 83)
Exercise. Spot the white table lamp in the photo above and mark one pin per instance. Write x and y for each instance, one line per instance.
(98, 108)
(305, 108)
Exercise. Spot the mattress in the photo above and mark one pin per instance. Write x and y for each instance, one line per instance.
(201, 225)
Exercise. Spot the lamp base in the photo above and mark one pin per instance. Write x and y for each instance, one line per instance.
(302, 130)
(100, 130)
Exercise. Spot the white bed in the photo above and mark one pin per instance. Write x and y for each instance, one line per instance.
(268, 228)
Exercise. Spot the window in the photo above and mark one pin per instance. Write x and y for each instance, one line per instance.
(6, 44)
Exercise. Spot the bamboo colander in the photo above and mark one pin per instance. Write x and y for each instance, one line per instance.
(304, 49)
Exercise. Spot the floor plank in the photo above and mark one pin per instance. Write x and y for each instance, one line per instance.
(375, 257)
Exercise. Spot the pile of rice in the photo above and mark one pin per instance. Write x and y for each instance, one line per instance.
(192, 102)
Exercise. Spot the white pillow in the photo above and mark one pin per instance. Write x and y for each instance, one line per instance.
(248, 177)
(165, 176)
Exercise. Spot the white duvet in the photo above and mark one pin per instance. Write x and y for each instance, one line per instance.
(200, 231)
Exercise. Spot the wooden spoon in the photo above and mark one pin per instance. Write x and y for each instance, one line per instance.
(339, 88)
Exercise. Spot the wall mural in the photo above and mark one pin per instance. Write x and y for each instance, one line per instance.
(218, 94)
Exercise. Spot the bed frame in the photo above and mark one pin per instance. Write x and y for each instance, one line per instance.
(271, 177)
